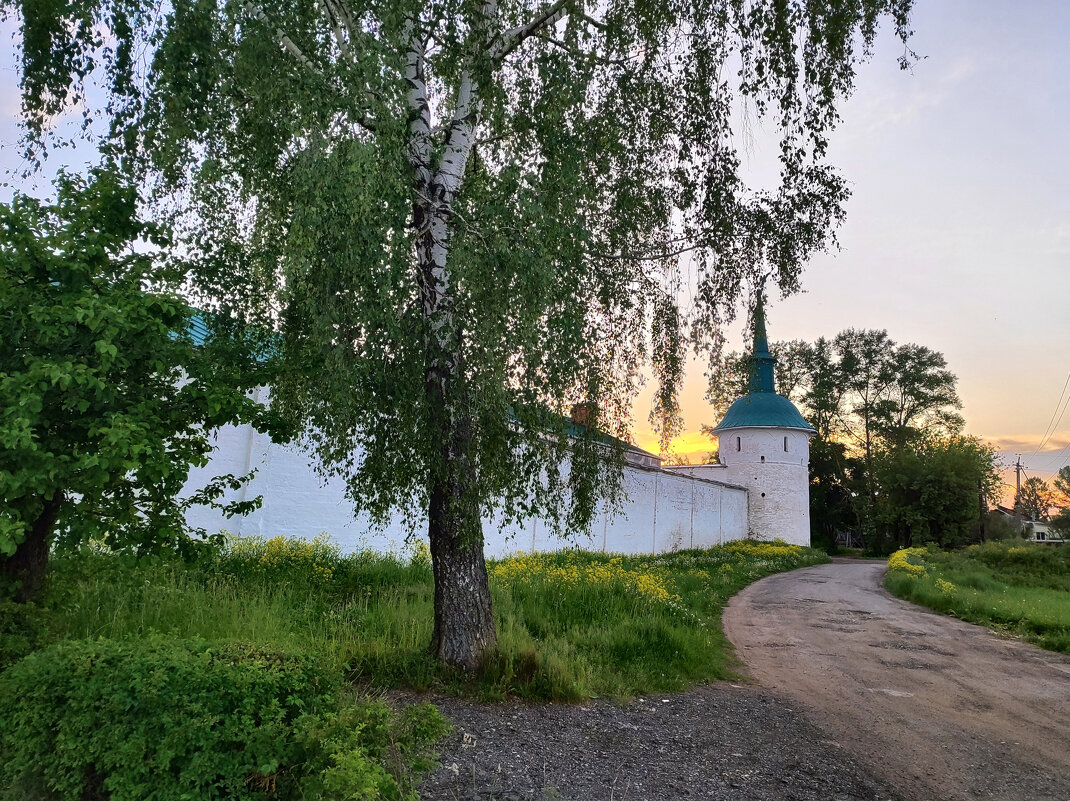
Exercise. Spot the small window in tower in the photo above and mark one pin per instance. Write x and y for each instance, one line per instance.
(738, 446)
(785, 444)
(763, 459)
(763, 494)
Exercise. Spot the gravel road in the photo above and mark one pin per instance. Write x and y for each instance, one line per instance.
(856, 696)
(938, 708)
(717, 743)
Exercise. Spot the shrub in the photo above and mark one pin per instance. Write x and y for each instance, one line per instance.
(23, 628)
(170, 719)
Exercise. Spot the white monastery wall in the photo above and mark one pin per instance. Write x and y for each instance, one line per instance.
(664, 509)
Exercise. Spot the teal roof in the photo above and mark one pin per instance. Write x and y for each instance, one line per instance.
(198, 328)
(763, 410)
(762, 407)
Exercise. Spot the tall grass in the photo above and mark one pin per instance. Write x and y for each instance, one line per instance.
(570, 625)
(1020, 588)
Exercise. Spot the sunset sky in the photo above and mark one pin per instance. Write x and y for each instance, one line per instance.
(958, 231)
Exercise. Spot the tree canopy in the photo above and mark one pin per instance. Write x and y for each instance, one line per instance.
(466, 216)
(1061, 485)
(105, 402)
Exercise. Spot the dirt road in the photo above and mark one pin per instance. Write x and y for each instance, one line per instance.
(938, 708)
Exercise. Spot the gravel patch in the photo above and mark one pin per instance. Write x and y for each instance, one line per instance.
(717, 742)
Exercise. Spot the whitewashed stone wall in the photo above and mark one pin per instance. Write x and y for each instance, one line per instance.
(666, 509)
(773, 464)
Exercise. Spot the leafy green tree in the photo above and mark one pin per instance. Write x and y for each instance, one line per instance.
(464, 216)
(1060, 523)
(930, 492)
(104, 401)
(1061, 485)
(1035, 499)
(920, 399)
(834, 487)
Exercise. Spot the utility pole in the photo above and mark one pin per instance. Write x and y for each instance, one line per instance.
(1018, 484)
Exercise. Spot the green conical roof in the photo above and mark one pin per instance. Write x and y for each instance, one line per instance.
(762, 407)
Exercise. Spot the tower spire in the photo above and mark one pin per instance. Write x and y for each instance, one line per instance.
(762, 362)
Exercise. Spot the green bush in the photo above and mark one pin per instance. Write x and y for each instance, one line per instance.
(171, 719)
(24, 628)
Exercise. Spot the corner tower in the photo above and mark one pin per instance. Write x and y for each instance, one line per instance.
(764, 444)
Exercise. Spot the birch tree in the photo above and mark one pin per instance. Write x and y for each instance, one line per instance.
(464, 216)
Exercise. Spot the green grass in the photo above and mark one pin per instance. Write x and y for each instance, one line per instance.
(571, 625)
(1019, 588)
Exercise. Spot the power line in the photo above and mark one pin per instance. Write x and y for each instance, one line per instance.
(1047, 434)
(1059, 457)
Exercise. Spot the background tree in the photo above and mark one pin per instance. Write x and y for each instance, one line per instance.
(1035, 500)
(919, 399)
(1060, 524)
(104, 401)
(1061, 485)
(835, 484)
(466, 216)
(929, 493)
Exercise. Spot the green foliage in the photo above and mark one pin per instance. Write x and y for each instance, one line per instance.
(834, 489)
(1061, 485)
(105, 402)
(24, 628)
(571, 625)
(175, 719)
(932, 493)
(998, 527)
(1023, 589)
(1060, 524)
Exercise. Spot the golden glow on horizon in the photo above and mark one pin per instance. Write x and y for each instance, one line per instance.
(692, 445)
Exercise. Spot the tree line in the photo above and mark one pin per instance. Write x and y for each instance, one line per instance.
(890, 462)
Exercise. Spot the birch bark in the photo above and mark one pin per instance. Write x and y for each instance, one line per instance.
(464, 629)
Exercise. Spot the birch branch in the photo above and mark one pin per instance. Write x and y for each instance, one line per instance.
(419, 150)
(461, 133)
(609, 62)
(257, 13)
(512, 39)
(335, 21)
(291, 47)
(346, 18)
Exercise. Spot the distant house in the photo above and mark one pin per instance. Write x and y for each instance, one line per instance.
(1036, 530)
(1041, 532)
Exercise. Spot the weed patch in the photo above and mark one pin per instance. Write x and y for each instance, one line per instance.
(1019, 588)
(571, 624)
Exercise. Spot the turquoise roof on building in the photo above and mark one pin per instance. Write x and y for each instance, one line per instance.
(762, 407)
(763, 410)
(198, 328)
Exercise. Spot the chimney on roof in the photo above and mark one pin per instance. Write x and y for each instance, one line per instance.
(585, 414)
